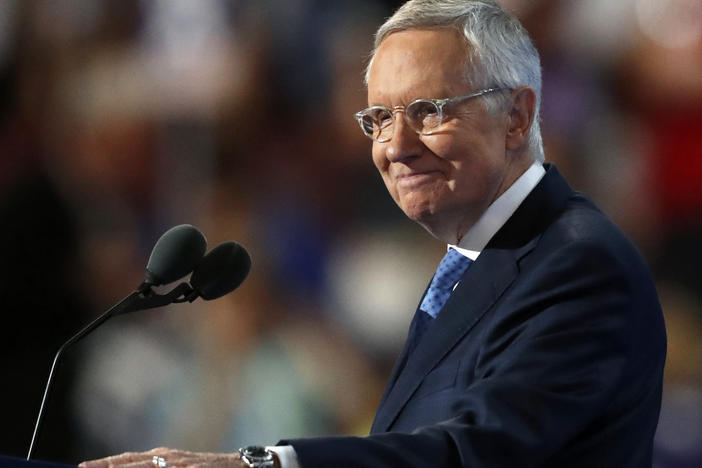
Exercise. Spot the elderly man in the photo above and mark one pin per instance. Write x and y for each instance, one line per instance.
(540, 340)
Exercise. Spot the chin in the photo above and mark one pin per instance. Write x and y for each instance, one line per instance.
(423, 206)
(440, 223)
(422, 213)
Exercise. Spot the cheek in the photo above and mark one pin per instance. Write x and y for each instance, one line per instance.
(379, 158)
(383, 166)
(380, 161)
(450, 149)
(464, 157)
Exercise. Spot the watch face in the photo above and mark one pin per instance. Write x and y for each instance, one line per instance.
(257, 452)
(256, 456)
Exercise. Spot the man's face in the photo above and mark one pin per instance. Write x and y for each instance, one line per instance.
(444, 181)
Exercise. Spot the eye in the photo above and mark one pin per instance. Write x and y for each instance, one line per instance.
(368, 124)
(420, 110)
(423, 114)
(383, 117)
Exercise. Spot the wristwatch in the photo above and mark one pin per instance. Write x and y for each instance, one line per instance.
(256, 456)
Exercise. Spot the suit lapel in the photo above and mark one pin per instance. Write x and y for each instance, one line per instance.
(464, 308)
(397, 368)
(480, 287)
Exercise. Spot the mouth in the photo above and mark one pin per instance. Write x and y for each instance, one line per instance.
(414, 179)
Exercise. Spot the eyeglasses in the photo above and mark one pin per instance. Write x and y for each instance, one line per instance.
(424, 116)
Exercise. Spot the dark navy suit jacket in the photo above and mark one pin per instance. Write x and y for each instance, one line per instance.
(548, 353)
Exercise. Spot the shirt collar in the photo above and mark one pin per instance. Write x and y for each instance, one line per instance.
(497, 214)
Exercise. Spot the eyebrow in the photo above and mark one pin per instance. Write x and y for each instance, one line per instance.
(402, 98)
(406, 102)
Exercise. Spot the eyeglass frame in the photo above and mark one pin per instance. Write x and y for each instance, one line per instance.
(438, 103)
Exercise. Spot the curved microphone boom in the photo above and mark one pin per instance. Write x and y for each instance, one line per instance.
(176, 253)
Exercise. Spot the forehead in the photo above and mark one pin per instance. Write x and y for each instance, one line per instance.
(418, 63)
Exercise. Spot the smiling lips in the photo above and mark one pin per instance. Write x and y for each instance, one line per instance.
(416, 178)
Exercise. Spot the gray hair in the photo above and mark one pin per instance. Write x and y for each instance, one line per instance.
(501, 53)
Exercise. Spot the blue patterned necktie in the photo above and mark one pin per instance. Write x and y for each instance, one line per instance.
(450, 270)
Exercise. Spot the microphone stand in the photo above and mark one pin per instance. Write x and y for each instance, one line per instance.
(141, 299)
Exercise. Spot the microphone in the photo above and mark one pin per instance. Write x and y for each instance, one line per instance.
(220, 272)
(176, 253)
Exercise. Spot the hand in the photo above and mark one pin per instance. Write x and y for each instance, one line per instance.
(174, 458)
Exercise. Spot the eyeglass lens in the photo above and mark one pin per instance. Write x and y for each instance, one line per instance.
(422, 116)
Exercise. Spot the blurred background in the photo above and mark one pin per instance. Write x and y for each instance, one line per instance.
(122, 118)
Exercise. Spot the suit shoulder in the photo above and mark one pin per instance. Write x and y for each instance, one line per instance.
(583, 251)
(583, 225)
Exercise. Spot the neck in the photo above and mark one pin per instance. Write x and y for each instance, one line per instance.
(450, 228)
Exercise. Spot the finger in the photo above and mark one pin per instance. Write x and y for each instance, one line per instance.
(176, 458)
(187, 461)
(146, 460)
(171, 454)
(162, 450)
(180, 458)
(117, 460)
(137, 464)
(216, 460)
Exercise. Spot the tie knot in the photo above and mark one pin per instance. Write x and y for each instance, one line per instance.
(450, 270)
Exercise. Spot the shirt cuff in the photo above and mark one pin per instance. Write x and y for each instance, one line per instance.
(286, 455)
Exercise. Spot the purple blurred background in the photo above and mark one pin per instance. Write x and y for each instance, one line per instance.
(119, 119)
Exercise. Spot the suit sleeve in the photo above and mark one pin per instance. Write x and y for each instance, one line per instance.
(572, 354)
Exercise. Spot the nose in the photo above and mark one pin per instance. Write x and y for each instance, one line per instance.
(405, 142)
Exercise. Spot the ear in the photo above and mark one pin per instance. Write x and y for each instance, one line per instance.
(521, 116)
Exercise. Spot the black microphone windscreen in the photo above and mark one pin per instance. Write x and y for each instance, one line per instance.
(221, 271)
(175, 254)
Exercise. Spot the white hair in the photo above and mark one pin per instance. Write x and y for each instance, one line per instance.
(500, 52)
